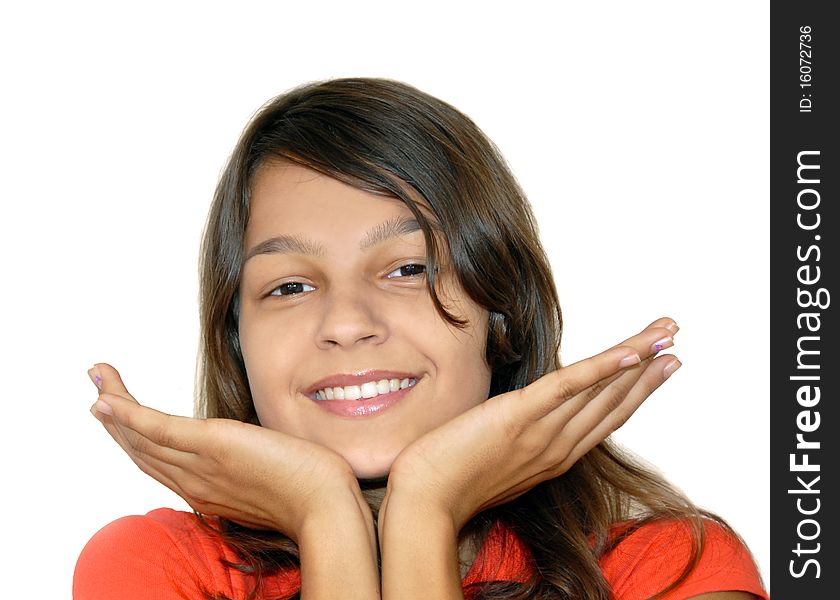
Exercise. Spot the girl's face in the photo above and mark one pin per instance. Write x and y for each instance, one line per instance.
(334, 306)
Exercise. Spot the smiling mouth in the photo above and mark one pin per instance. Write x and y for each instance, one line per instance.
(365, 391)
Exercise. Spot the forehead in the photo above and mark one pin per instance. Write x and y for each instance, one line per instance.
(292, 199)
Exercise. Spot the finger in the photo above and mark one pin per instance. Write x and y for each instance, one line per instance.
(651, 340)
(667, 323)
(178, 433)
(161, 475)
(655, 337)
(550, 391)
(578, 424)
(161, 471)
(181, 477)
(134, 444)
(646, 344)
(108, 380)
(604, 395)
(595, 430)
(166, 466)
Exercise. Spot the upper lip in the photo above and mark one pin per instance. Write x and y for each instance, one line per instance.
(357, 378)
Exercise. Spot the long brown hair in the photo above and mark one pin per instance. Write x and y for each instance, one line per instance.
(389, 138)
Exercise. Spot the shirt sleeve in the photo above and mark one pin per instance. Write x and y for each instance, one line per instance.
(654, 556)
(132, 558)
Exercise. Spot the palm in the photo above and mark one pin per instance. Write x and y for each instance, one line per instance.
(502, 448)
(223, 467)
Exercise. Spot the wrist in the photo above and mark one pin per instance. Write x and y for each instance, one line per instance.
(419, 549)
(423, 505)
(409, 507)
(343, 509)
(338, 551)
(297, 514)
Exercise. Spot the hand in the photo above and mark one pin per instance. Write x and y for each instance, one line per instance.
(249, 474)
(505, 446)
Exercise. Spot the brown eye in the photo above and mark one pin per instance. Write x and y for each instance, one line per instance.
(410, 270)
(291, 288)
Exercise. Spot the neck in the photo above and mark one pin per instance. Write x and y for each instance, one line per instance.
(373, 491)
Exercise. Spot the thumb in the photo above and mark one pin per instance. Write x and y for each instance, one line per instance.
(108, 380)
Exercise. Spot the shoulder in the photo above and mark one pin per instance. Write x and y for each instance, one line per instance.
(650, 558)
(163, 554)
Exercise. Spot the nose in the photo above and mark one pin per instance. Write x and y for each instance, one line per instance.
(350, 318)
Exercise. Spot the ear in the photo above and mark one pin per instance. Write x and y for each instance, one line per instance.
(500, 352)
(498, 323)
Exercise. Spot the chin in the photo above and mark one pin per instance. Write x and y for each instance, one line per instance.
(370, 468)
(371, 473)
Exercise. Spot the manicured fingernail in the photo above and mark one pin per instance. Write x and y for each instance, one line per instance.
(103, 407)
(95, 377)
(629, 360)
(669, 369)
(665, 342)
(672, 327)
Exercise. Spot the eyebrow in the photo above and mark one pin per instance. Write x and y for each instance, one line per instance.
(390, 229)
(286, 244)
(295, 244)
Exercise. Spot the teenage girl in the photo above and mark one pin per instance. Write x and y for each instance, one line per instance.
(382, 409)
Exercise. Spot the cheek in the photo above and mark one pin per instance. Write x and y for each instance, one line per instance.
(461, 361)
(479, 371)
(475, 374)
(266, 352)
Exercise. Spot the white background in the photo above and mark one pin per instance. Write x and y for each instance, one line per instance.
(640, 132)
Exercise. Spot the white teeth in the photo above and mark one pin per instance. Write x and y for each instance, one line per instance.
(370, 389)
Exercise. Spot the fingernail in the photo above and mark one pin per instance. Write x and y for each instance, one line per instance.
(95, 377)
(672, 327)
(665, 342)
(669, 369)
(103, 407)
(629, 360)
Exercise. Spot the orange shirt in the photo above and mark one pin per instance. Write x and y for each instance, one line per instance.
(167, 555)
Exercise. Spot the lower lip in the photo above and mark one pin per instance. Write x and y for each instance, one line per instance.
(366, 407)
